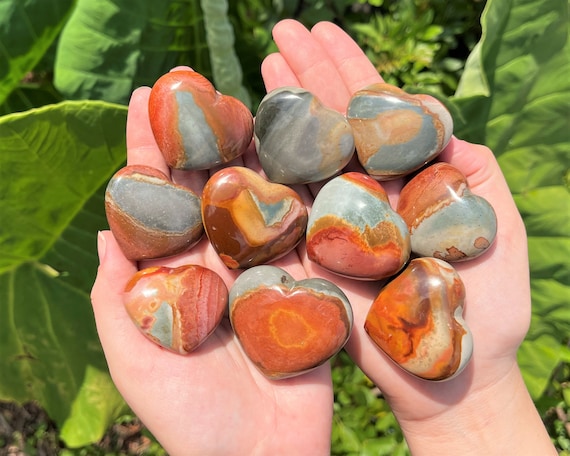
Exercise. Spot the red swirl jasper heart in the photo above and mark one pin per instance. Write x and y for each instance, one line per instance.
(150, 216)
(417, 320)
(176, 308)
(250, 221)
(288, 327)
(195, 126)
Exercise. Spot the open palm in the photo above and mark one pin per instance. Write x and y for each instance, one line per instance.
(214, 401)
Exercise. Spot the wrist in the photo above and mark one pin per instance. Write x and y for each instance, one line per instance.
(496, 420)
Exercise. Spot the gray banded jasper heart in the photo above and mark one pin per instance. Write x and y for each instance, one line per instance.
(446, 220)
(397, 133)
(150, 216)
(298, 139)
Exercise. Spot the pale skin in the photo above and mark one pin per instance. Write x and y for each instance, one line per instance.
(216, 402)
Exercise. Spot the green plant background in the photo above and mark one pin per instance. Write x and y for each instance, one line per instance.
(67, 69)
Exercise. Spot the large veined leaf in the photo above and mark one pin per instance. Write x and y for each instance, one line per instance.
(53, 166)
(27, 29)
(110, 47)
(516, 94)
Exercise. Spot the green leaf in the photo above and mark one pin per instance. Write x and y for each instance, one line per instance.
(110, 47)
(515, 93)
(55, 163)
(27, 29)
(53, 159)
(96, 399)
(535, 358)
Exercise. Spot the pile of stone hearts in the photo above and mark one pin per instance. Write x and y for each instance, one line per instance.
(288, 327)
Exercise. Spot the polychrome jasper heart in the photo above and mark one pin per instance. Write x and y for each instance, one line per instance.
(446, 220)
(353, 231)
(396, 133)
(176, 308)
(195, 126)
(150, 216)
(250, 221)
(286, 327)
(298, 139)
(417, 320)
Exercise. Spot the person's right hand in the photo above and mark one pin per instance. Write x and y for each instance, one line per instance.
(488, 399)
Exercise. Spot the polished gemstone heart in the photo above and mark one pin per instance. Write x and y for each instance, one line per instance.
(250, 221)
(288, 327)
(417, 320)
(298, 139)
(195, 126)
(150, 216)
(446, 220)
(353, 231)
(396, 133)
(176, 308)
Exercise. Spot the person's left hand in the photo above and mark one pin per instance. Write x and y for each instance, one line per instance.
(213, 401)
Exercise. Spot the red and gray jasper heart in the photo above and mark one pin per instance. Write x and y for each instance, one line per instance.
(446, 220)
(195, 126)
(176, 308)
(250, 221)
(150, 216)
(288, 327)
(417, 320)
(353, 231)
(298, 139)
(395, 132)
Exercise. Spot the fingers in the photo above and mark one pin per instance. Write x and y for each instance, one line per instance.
(352, 65)
(115, 270)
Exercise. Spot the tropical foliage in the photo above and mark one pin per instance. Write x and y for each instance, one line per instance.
(66, 73)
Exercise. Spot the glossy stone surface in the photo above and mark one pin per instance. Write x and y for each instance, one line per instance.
(288, 327)
(250, 221)
(396, 133)
(298, 139)
(150, 216)
(353, 231)
(417, 320)
(176, 308)
(446, 220)
(195, 126)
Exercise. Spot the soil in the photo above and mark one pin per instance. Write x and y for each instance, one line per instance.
(27, 430)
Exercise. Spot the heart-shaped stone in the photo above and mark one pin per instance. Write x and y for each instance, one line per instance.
(395, 132)
(150, 216)
(288, 327)
(195, 126)
(250, 221)
(176, 308)
(353, 231)
(298, 139)
(417, 320)
(446, 220)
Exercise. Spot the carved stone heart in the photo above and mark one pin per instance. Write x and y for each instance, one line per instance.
(417, 320)
(298, 139)
(176, 308)
(446, 220)
(353, 231)
(250, 221)
(195, 126)
(150, 216)
(286, 327)
(396, 133)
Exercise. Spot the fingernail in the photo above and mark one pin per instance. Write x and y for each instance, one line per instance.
(101, 246)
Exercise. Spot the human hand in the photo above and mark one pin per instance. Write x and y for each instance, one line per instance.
(213, 401)
(487, 403)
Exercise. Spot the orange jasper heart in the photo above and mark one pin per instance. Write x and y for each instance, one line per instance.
(417, 320)
(286, 327)
(250, 221)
